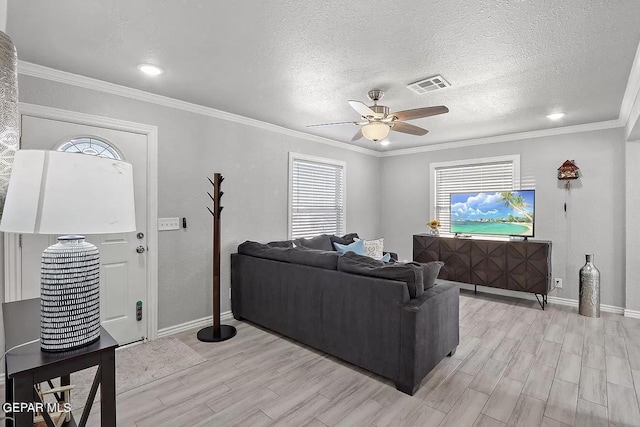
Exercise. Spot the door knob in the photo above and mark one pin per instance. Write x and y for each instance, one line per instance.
(140, 249)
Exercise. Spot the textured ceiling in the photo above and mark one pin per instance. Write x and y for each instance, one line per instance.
(295, 63)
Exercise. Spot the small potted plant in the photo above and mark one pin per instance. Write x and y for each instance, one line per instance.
(434, 226)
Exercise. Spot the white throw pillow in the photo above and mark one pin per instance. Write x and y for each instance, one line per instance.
(374, 248)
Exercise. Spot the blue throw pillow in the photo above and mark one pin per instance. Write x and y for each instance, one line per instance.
(357, 247)
(386, 258)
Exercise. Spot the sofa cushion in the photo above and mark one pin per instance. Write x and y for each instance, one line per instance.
(410, 273)
(314, 257)
(356, 247)
(430, 272)
(344, 240)
(261, 250)
(322, 242)
(281, 244)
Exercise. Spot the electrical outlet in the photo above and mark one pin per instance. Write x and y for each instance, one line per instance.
(165, 224)
(558, 283)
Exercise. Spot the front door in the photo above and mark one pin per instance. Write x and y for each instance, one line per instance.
(123, 270)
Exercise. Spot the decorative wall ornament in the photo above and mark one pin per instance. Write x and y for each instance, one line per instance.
(9, 128)
(568, 172)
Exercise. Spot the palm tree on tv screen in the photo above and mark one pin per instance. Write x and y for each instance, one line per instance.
(516, 202)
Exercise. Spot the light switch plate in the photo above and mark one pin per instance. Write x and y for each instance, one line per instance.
(165, 224)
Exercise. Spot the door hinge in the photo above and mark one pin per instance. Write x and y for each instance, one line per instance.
(20, 241)
(139, 311)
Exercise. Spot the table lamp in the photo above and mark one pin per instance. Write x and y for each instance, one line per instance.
(69, 194)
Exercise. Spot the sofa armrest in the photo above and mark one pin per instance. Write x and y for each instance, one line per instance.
(429, 332)
(393, 255)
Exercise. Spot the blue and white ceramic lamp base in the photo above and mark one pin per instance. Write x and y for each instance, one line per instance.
(69, 295)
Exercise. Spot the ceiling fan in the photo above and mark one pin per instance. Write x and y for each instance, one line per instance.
(377, 121)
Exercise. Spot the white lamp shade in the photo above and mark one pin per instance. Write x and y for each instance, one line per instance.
(52, 192)
(375, 131)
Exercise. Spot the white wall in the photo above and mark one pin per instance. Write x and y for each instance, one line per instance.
(632, 224)
(386, 197)
(632, 189)
(593, 223)
(3, 15)
(254, 163)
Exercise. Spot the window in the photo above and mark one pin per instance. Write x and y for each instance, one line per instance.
(488, 174)
(90, 146)
(316, 196)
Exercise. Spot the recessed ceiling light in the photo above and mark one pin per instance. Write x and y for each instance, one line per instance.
(555, 116)
(384, 142)
(150, 70)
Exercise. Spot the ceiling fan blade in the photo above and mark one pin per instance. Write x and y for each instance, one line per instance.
(331, 124)
(362, 108)
(407, 128)
(418, 113)
(357, 136)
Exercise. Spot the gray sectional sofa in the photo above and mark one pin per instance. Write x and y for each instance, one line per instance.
(378, 316)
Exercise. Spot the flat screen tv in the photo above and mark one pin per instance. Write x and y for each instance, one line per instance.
(501, 213)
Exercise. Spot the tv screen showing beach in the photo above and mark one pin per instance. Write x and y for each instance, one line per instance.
(509, 213)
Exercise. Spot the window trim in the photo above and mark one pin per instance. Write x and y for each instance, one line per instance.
(299, 156)
(515, 158)
(64, 142)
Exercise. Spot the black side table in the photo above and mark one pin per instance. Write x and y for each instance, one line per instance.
(27, 366)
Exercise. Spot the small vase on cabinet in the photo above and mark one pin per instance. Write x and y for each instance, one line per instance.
(589, 304)
(434, 227)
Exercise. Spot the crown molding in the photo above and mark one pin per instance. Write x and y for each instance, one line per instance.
(587, 127)
(46, 73)
(632, 92)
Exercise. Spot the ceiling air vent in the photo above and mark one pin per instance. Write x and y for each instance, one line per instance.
(429, 84)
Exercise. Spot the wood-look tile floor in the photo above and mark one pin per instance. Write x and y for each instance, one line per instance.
(516, 365)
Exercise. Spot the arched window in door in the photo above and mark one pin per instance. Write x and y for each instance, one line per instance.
(91, 147)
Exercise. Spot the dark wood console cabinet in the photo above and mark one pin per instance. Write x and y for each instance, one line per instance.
(514, 265)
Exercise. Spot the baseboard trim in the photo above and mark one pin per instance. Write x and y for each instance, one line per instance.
(632, 313)
(574, 303)
(564, 301)
(551, 299)
(497, 291)
(192, 324)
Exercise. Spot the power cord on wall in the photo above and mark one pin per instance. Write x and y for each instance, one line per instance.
(18, 346)
(2, 357)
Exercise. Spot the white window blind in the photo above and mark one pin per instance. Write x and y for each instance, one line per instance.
(317, 196)
(469, 178)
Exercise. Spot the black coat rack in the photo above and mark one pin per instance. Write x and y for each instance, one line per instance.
(217, 332)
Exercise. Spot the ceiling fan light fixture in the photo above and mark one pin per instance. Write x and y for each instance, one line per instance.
(375, 131)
